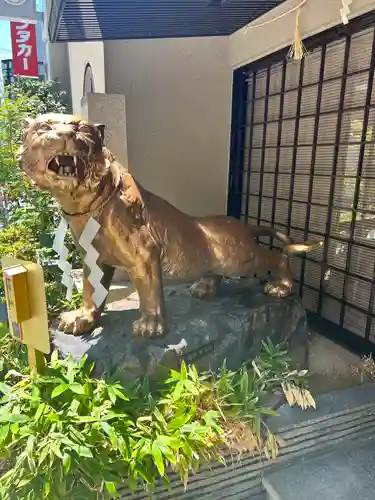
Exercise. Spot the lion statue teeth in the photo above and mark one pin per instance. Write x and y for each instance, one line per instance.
(140, 231)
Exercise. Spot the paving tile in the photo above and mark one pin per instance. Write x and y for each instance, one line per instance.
(355, 396)
(333, 476)
(363, 456)
(325, 405)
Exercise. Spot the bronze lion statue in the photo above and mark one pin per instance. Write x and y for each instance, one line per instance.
(140, 231)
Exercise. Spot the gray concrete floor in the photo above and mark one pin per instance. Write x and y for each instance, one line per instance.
(331, 366)
(344, 474)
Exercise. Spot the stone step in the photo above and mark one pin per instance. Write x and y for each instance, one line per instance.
(120, 289)
(346, 473)
(303, 433)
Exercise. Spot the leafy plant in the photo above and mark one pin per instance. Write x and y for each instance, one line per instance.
(47, 95)
(18, 240)
(55, 294)
(31, 214)
(13, 355)
(66, 433)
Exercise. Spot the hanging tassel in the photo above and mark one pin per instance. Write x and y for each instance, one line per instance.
(345, 10)
(297, 51)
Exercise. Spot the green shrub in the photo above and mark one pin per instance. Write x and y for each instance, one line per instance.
(45, 96)
(13, 355)
(32, 214)
(65, 434)
(18, 240)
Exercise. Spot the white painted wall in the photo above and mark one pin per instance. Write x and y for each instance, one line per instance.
(250, 44)
(81, 53)
(178, 102)
(178, 97)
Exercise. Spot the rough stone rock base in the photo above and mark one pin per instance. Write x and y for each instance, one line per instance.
(228, 327)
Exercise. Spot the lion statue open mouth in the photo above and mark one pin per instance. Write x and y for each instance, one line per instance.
(64, 154)
(140, 231)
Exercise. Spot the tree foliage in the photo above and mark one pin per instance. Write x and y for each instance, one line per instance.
(31, 214)
(47, 96)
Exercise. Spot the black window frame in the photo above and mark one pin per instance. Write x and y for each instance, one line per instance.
(238, 182)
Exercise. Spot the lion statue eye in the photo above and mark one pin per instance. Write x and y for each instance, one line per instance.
(44, 127)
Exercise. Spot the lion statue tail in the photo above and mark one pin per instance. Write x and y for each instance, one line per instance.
(306, 246)
(272, 233)
(290, 246)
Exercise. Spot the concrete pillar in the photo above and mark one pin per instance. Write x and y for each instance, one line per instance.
(110, 110)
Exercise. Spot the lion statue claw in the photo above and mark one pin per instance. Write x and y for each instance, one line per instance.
(149, 325)
(140, 231)
(78, 322)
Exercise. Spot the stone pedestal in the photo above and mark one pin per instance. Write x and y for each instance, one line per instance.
(228, 327)
(110, 110)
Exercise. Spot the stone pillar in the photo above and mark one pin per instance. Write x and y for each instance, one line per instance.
(110, 110)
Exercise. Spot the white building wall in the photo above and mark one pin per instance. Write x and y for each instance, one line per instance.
(178, 102)
(178, 97)
(252, 43)
(80, 54)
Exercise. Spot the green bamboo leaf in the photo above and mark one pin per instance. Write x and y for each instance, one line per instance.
(112, 395)
(188, 450)
(82, 361)
(245, 383)
(60, 389)
(85, 420)
(77, 388)
(39, 412)
(120, 394)
(14, 428)
(6, 416)
(194, 427)
(46, 489)
(178, 390)
(174, 442)
(159, 416)
(268, 411)
(73, 409)
(55, 356)
(210, 417)
(67, 462)
(183, 371)
(4, 431)
(146, 385)
(158, 458)
(190, 387)
(83, 451)
(55, 447)
(5, 389)
(43, 455)
(168, 453)
(111, 487)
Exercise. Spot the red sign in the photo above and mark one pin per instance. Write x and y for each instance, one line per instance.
(24, 49)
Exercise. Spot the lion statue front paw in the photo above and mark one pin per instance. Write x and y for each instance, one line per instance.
(78, 322)
(149, 325)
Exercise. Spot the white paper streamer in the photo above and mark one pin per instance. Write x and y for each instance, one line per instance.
(96, 274)
(345, 10)
(63, 253)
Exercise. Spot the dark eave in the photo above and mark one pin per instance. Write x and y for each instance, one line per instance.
(85, 20)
